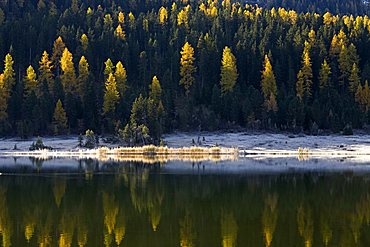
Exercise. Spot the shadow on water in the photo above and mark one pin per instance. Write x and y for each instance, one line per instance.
(136, 204)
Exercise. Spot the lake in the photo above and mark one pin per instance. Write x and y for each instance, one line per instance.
(91, 203)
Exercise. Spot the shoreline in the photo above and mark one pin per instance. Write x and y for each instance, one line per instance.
(180, 145)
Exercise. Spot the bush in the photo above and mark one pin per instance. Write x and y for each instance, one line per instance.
(38, 145)
(90, 139)
(348, 130)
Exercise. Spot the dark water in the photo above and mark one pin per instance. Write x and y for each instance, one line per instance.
(140, 205)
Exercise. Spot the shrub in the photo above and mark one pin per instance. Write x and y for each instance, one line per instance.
(348, 130)
(90, 139)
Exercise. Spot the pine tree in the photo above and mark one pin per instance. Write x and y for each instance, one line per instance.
(304, 77)
(60, 120)
(354, 79)
(347, 57)
(121, 78)
(324, 75)
(183, 17)
(111, 96)
(268, 85)
(155, 90)
(68, 77)
(109, 67)
(163, 15)
(120, 33)
(58, 49)
(187, 68)
(229, 73)
(84, 42)
(300, 85)
(30, 82)
(3, 101)
(121, 18)
(83, 76)
(9, 74)
(366, 96)
(45, 73)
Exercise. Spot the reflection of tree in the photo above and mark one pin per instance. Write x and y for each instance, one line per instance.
(120, 229)
(29, 224)
(137, 184)
(155, 198)
(110, 208)
(269, 218)
(229, 229)
(37, 162)
(44, 237)
(326, 232)
(5, 221)
(66, 229)
(81, 228)
(187, 233)
(305, 224)
(59, 189)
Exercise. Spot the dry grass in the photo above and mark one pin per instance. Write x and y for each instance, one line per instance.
(147, 154)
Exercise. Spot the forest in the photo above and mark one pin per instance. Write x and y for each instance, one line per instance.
(348, 7)
(138, 69)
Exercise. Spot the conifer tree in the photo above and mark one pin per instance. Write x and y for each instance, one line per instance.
(83, 76)
(30, 82)
(109, 67)
(121, 78)
(121, 17)
(155, 90)
(111, 95)
(324, 75)
(68, 77)
(84, 42)
(354, 79)
(9, 74)
(304, 77)
(60, 120)
(163, 15)
(45, 72)
(183, 17)
(3, 101)
(120, 33)
(347, 57)
(58, 49)
(229, 73)
(268, 85)
(187, 67)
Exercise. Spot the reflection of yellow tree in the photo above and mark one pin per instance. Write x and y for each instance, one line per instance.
(29, 225)
(137, 183)
(269, 218)
(305, 224)
(155, 199)
(110, 207)
(120, 230)
(44, 238)
(59, 189)
(5, 222)
(187, 234)
(229, 229)
(326, 232)
(356, 221)
(66, 230)
(81, 232)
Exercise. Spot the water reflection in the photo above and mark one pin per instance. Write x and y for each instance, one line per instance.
(137, 206)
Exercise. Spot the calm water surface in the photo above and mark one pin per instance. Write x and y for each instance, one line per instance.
(143, 205)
